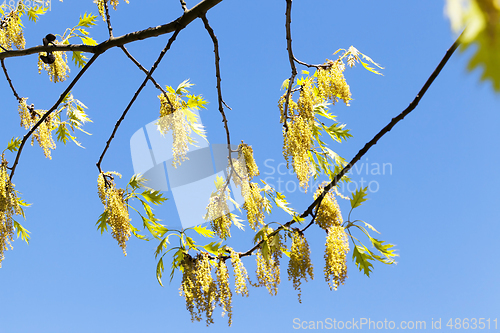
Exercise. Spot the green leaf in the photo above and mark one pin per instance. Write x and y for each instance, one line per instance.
(162, 245)
(264, 248)
(137, 181)
(361, 258)
(191, 243)
(371, 69)
(20, 230)
(176, 262)
(358, 197)
(34, 12)
(102, 221)
(14, 144)
(159, 270)
(88, 41)
(203, 231)
(62, 133)
(284, 85)
(153, 196)
(283, 204)
(370, 226)
(87, 20)
(182, 88)
(79, 59)
(135, 231)
(337, 132)
(212, 248)
(385, 249)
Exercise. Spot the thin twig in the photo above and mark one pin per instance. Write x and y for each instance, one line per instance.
(108, 19)
(291, 58)
(184, 6)
(53, 108)
(138, 64)
(219, 95)
(10, 82)
(143, 84)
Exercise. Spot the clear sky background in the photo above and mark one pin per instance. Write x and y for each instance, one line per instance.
(439, 204)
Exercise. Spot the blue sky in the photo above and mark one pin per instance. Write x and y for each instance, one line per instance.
(439, 204)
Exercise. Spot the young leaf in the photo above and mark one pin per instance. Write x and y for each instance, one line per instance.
(153, 196)
(212, 248)
(101, 222)
(137, 181)
(161, 246)
(361, 258)
(191, 243)
(34, 12)
(159, 270)
(20, 230)
(14, 144)
(79, 59)
(203, 231)
(358, 197)
(87, 20)
(88, 41)
(264, 248)
(385, 249)
(176, 262)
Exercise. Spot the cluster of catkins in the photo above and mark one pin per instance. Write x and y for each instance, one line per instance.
(203, 292)
(115, 207)
(327, 84)
(43, 133)
(9, 206)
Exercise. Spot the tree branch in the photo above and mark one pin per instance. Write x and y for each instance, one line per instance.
(178, 24)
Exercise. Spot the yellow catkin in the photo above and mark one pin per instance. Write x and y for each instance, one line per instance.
(188, 287)
(224, 291)
(240, 274)
(292, 107)
(28, 119)
(205, 282)
(58, 70)
(11, 32)
(198, 287)
(254, 205)
(299, 266)
(307, 100)
(332, 84)
(336, 249)
(218, 213)
(268, 273)
(115, 206)
(240, 176)
(329, 213)
(9, 206)
(297, 143)
(43, 133)
(246, 152)
(172, 119)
